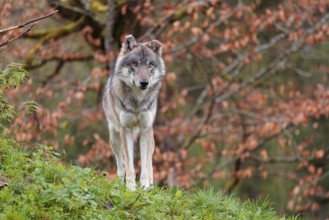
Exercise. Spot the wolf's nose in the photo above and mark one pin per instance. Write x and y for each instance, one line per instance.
(144, 84)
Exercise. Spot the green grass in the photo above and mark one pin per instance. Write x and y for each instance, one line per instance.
(40, 186)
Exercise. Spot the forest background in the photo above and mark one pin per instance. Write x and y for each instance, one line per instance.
(244, 106)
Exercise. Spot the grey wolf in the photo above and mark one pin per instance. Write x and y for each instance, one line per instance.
(130, 102)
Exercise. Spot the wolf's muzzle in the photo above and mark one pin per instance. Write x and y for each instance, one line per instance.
(144, 84)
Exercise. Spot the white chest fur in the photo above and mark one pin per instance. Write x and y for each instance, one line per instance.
(141, 120)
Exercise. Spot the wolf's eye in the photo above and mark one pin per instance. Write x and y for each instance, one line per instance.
(150, 65)
(135, 64)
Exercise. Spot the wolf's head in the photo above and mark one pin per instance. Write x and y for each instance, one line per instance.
(140, 64)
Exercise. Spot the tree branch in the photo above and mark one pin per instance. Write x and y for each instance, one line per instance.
(63, 58)
(53, 35)
(171, 17)
(18, 36)
(32, 21)
(108, 41)
(28, 22)
(64, 5)
(55, 73)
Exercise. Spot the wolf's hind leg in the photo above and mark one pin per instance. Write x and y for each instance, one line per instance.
(116, 147)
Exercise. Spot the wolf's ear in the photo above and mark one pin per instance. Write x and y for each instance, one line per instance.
(128, 44)
(156, 46)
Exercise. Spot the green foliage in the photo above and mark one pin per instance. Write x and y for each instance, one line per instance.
(40, 186)
(11, 77)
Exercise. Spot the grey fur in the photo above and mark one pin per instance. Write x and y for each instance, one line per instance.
(130, 101)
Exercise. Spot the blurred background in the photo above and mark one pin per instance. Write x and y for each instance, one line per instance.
(244, 106)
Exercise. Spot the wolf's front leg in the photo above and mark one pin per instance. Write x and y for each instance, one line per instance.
(146, 143)
(127, 145)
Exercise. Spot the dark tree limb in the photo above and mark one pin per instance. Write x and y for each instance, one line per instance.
(55, 73)
(238, 161)
(108, 41)
(75, 9)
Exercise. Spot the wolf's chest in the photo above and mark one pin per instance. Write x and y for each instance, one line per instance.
(141, 120)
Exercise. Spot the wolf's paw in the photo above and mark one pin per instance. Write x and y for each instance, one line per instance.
(147, 187)
(145, 183)
(131, 185)
(121, 178)
(121, 173)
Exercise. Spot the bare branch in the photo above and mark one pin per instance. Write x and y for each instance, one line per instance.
(159, 27)
(210, 109)
(63, 58)
(197, 39)
(18, 36)
(28, 22)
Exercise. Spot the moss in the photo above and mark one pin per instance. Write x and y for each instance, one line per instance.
(52, 34)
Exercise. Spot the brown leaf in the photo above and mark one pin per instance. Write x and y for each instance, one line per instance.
(311, 169)
(319, 154)
(3, 183)
(263, 154)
